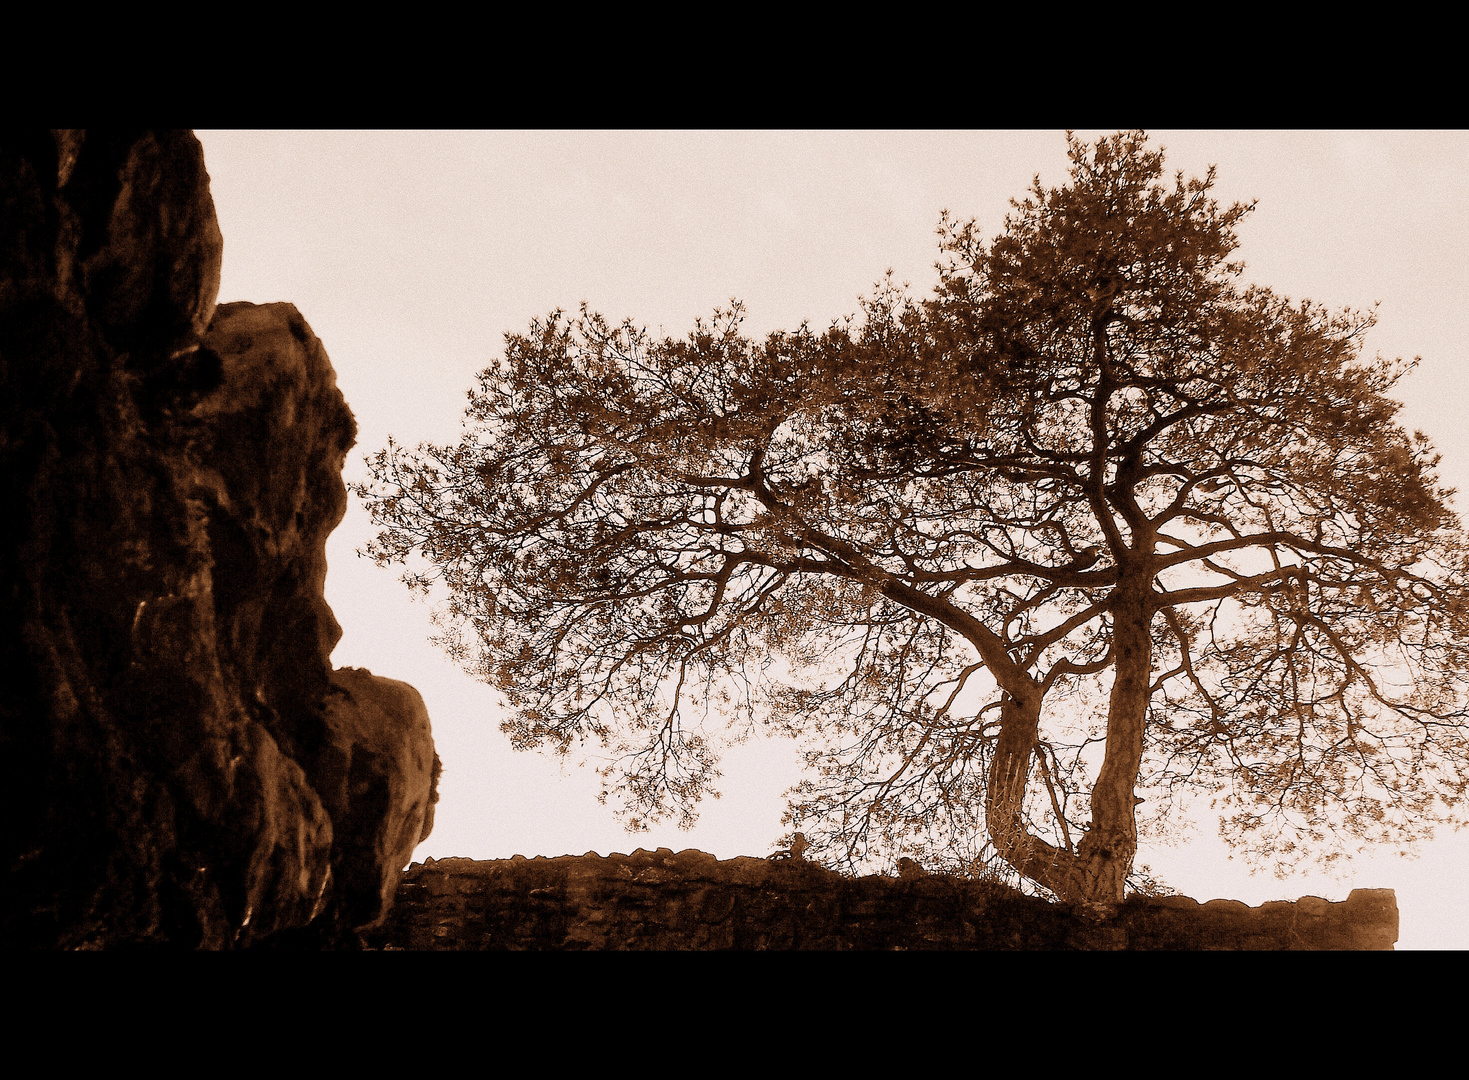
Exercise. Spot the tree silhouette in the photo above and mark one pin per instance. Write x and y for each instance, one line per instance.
(1090, 520)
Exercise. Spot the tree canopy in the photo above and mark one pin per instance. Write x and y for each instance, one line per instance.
(1093, 519)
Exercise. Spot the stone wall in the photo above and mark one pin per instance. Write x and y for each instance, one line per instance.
(690, 900)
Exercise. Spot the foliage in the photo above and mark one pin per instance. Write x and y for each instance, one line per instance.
(1092, 519)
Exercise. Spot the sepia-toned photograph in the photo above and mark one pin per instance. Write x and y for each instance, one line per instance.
(735, 540)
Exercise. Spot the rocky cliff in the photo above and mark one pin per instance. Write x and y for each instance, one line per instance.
(179, 763)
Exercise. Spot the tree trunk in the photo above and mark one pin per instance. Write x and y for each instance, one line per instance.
(1009, 777)
(1107, 850)
(1095, 876)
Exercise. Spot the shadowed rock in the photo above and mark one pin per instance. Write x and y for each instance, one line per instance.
(170, 726)
(377, 775)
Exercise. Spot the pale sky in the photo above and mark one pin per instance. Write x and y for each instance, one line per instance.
(412, 254)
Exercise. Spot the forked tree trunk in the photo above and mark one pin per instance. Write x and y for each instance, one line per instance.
(1095, 875)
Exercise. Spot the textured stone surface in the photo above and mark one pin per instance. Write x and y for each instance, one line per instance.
(377, 774)
(179, 764)
(689, 900)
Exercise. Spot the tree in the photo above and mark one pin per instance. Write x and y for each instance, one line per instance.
(1091, 520)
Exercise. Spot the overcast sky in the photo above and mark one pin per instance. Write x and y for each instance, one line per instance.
(412, 254)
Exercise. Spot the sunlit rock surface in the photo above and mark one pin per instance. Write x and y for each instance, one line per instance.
(690, 900)
(179, 763)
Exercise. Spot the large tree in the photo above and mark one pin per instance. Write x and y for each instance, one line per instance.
(1093, 519)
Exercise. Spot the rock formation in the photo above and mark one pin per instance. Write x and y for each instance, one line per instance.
(179, 763)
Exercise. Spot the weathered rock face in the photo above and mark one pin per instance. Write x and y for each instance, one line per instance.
(690, 900)
(179, 763)
(370, 774)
